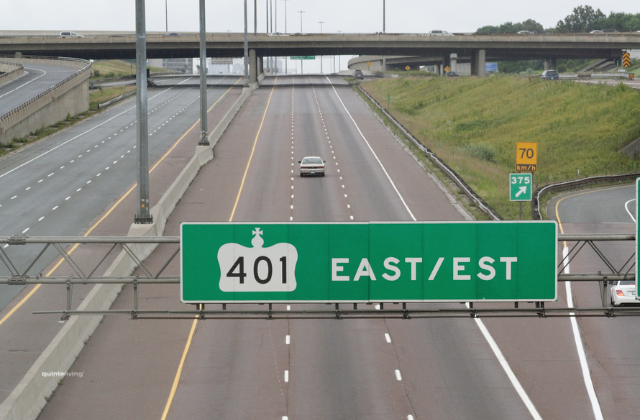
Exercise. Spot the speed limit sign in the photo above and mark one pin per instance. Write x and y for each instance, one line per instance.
(527, 157)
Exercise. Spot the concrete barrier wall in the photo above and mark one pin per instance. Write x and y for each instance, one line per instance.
(69, 97)
(11, 72)
(29, 397)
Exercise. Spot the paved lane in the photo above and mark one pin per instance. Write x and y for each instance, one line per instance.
(59, 185)
(37, 79)
(108, 137)
(611, 344)
(298, 369)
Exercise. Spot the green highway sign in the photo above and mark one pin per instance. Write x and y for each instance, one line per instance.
(520, 186)
(368, 262)
(303, 57)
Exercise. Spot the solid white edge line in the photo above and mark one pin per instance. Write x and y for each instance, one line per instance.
(494, 346)
(371, 149)
(627, 209)
(505, 366)
(32, 80)
(584, 366)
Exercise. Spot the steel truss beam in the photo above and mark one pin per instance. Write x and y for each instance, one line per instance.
(147, 277)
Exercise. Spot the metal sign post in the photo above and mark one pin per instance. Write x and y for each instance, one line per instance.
(204, 141)
(142, 214)
(368, 262)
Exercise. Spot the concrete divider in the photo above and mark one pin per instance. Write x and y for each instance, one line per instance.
(11, 71)
(68, 97)
(29, 397)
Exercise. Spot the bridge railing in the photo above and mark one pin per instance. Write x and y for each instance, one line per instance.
(87, 67)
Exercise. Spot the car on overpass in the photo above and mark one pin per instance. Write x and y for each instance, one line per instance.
(550, 75)
(68, 34)
(623, 292)
(311, 165)
(438, 32)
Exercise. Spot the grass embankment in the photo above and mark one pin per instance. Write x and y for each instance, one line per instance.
(103, 69)
(106, 94)
(95, 97)
(474, 124)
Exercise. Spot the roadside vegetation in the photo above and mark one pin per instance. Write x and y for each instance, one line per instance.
(106, 69)
(95, 97)
(583, 19)
(473, 124)
(102, 95)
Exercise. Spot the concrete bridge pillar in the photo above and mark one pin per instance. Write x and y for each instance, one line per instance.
(253, 67)
(446, 61)
(549, 63)
(454, 62)
(478, 59)
(260, 66)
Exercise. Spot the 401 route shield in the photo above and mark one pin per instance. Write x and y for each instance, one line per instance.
(368, 262)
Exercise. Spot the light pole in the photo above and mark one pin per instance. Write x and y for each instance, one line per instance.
(302, 60)
(384, 30)
(166, 15)
(275, 59)
(246, 48)
(204, 141)
(321, 56)
(286, 59)
(142, 213)
(255, 17)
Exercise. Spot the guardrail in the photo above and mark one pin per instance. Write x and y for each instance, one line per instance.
(52, 88)
(567, 185)
(468, 191)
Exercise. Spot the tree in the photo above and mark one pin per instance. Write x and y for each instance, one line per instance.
(511, 28)
(583, 19)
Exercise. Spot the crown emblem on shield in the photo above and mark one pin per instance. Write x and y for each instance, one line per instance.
(256, 268)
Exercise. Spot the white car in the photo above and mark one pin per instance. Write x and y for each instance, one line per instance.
(623, 292)
(67, 34)
(312, 165)
(438, 32)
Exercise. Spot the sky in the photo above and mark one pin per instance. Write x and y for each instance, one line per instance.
(363, 16)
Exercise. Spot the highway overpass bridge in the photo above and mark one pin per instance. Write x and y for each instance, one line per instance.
(474, 48)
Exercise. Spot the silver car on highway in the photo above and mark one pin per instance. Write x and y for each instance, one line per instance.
(623, 292)
(312, 165)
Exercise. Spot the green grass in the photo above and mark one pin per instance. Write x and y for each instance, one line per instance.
(105, 94)
(103, 69)
(474, 124)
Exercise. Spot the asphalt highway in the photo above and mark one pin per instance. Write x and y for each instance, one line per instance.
(612, 345)
(62, 185)
(37, 79)
(317, 369)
